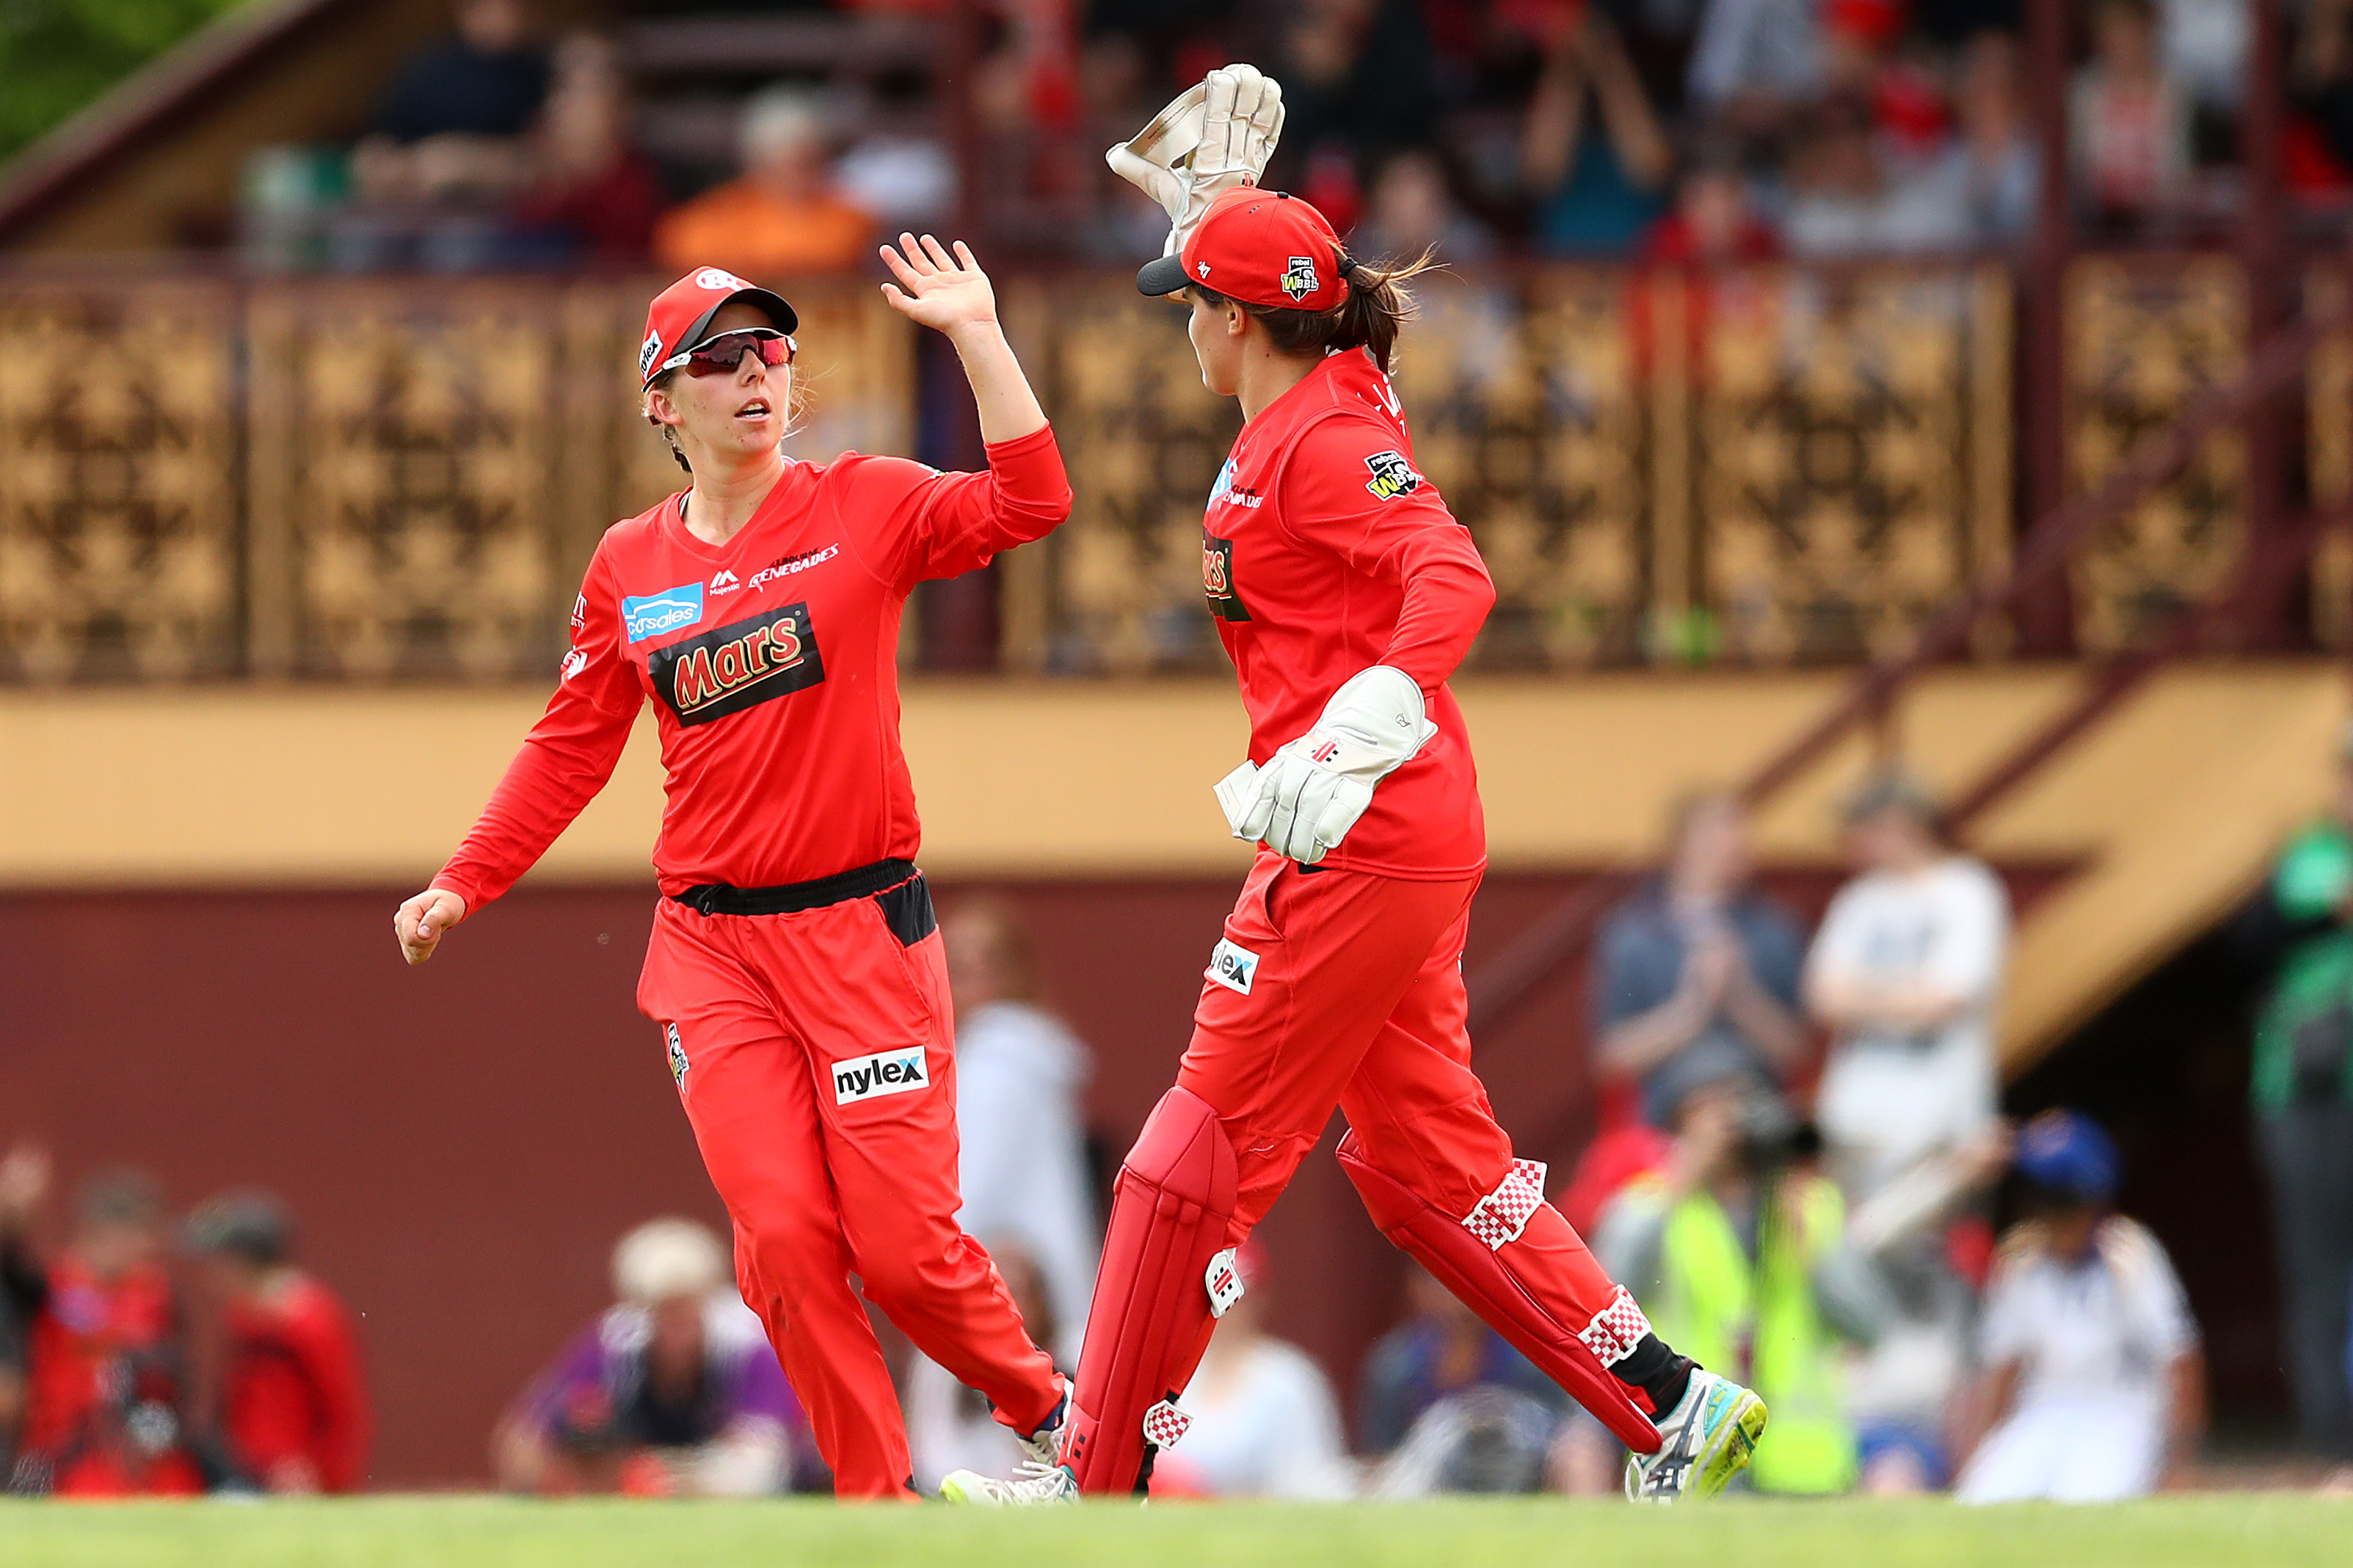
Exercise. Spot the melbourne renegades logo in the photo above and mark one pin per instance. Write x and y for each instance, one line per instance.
(738, 666)
(1218, 578)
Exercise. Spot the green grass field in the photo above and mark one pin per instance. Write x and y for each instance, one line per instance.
(2201, 1532)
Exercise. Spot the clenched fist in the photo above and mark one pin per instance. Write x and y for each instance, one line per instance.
(421, 923)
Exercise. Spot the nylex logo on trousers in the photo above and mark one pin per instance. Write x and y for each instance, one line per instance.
(1232, 967)
(884, 1072)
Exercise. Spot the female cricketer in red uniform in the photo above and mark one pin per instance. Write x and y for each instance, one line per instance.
(795, 969)
(1346, 593)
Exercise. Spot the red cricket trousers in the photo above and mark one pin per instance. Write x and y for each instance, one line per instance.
(1355, 997)
(814, 1054)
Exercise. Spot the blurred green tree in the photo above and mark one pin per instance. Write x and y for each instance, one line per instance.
(56, 55)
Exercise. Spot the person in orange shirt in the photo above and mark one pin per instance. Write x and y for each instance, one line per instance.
(782, 217)
(293, 1402)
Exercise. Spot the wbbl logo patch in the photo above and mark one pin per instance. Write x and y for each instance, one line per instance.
(1232, 967)
(884, 1072)
(1299, 277)
(1392, 475)
(677, 1057)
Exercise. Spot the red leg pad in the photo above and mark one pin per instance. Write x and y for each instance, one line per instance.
(1169, 1210)
(1479, 1278)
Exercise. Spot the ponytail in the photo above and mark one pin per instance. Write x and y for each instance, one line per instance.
(1377, 305)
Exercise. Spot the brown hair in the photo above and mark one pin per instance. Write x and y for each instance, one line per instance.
(1377, 305)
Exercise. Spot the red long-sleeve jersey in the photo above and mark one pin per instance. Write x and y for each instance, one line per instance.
(294, 1393)
(1323, 553)
(772, 664)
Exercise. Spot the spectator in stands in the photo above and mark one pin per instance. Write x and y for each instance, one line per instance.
(1022, 1080)
(2320, 137)
(1264, 1421)
(2129, 119)
(594, 194)
(293, 1400)
(451, 127)
(1906, 972)
(1598, 179)
(1990, 172)
(2302, 1089)
(1412, 211)
(1696, 975)
(1738, 1245)
(949, 1426)
(105, 1410)
(2094, 1386)
(672, 1391)
(782, 217)
(2204, 45)
(1440, 1349)
(1848, 198)
(1713, 223)
(1359, 83)
(1756, 62)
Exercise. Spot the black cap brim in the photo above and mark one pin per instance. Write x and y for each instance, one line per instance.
(1164, 274)
(779, 310)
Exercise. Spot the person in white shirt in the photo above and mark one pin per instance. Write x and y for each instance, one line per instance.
(1906, 972)
(1264, 1421)
(2095, 1384)
(949, 1426)
(1021, 1080)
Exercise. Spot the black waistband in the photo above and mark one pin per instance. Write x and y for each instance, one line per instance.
(863, 882)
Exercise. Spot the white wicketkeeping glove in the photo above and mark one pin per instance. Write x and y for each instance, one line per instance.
(1210, 139)
(1302, 803)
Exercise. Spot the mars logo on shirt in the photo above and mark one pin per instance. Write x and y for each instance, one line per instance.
(1392, 475)
(1218, 578)
(737, 666)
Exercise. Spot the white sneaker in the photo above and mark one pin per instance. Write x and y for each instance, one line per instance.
(1709, 1438)
(1033, 1486)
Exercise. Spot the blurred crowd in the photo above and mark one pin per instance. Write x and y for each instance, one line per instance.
(1709, 132)
(1800, 1170)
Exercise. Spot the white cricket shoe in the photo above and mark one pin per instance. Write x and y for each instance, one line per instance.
(1709, 1437)
(1033, 1486)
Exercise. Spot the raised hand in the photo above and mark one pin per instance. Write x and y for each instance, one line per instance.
(944, 292)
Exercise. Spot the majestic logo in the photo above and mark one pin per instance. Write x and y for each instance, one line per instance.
(1232, 967)
(737, 666)
(1218, 578)
(1392, 475)
(785, 565)
(1298, 278)
(725, 583)
(884, 1072)
(666, 610)
(649, 351)
(719, 278)
(677, 1056)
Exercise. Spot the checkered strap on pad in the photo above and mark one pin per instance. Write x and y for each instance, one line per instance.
(1502, 1214)
(1615, 1330)
(1163, 1424)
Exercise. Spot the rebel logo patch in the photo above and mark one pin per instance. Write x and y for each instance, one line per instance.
(1218, 578)
(1299, 277)
(737, 666)
(1392, 475)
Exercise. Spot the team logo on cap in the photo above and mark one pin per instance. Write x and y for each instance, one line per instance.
(1392, 475)
(1298, 278)
(648, 352)
(718, 278)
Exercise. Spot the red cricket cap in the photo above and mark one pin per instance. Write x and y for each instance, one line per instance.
(1263, 248)
(681, 315)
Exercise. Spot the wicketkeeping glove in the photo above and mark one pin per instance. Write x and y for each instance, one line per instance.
(1210, 139)
(1302, 803)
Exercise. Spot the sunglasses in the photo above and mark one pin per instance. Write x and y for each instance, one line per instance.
(721, 353)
